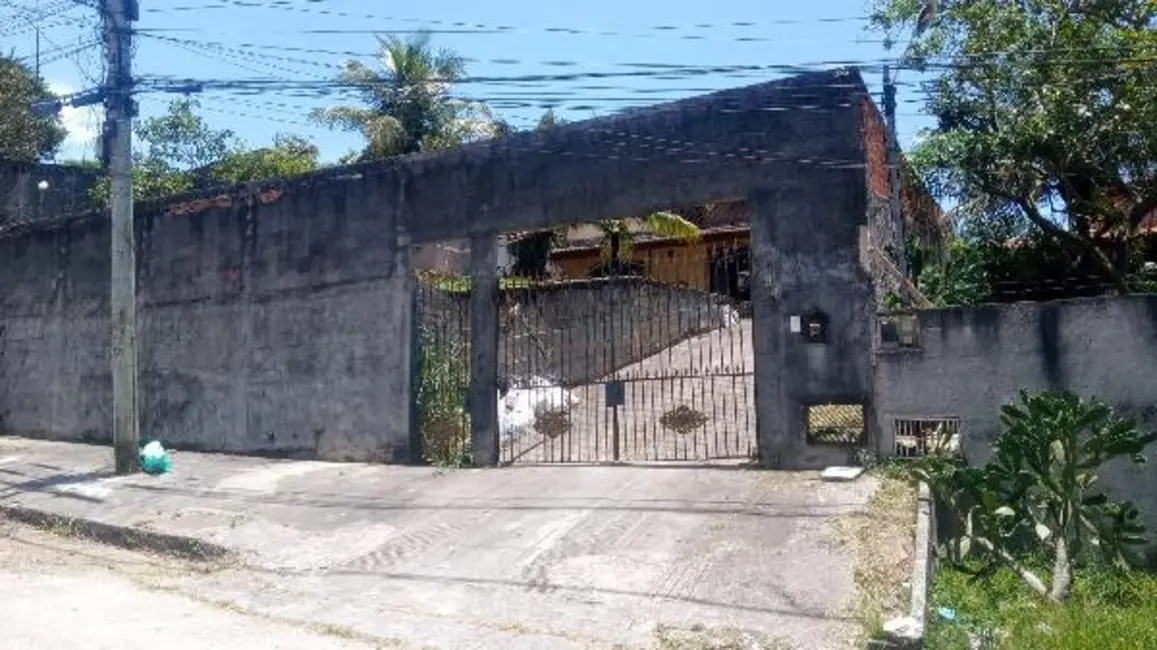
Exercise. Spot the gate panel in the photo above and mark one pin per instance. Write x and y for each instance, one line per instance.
(630, 368)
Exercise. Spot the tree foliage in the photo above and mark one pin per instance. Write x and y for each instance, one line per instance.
(408, 106)
(1044, 108)
(24, 136)
(178, 151)
(1038, 498)
(290, 155)
(1002, 259)
(181, 139)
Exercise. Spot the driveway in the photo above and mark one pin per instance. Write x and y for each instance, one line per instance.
(520, 557)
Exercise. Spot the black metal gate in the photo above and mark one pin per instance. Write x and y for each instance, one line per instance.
(650, 367)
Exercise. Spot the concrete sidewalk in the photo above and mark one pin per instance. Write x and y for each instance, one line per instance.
(521, 557)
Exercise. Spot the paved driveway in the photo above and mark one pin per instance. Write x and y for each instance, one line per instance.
(521, 557)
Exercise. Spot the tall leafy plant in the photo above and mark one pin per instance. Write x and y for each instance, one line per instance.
(1038, 495)
(443, 382)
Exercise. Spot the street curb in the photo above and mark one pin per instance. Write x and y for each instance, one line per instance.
(126, 537)
(923, 568)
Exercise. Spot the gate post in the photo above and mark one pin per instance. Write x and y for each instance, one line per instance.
(483, 401)
(772, 407)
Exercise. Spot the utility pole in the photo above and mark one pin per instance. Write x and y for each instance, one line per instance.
(118, 16)
(894, 167)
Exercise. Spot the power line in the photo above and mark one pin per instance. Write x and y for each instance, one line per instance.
(448, 26)
(30, 15)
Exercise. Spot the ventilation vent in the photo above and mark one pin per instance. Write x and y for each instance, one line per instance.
(835, 424)
(916, 438)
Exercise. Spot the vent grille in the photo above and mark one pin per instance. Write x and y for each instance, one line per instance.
(918, 437)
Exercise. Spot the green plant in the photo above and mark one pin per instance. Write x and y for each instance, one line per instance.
(1108, 610)
(444, 379)
(1023, 128)
(1036, 497)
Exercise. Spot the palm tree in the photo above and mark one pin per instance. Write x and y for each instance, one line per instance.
(408, 106)
(619, 235)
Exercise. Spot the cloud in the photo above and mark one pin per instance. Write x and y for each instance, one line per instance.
(83, 125)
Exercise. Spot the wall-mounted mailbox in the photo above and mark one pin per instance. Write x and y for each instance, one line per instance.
(815, 327)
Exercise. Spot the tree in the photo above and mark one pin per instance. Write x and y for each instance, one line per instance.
(289, 156)
(1037, 497)
(25, 136)
(172, 152)
(1045, 108)
(178, 151)
(619, 235)
(408, 106)
(181, 139)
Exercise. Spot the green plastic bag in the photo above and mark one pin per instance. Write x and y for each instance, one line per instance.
(155, 458)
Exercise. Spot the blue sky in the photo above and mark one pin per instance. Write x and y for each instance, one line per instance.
(247, 39)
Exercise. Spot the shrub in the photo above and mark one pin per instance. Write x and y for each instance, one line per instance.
(444, 381)
(1037, 497)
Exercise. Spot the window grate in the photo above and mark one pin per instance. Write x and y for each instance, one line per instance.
(919, 437)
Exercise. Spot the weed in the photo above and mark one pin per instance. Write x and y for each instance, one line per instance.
(883, 537)
(444, 381)
(1109, 609)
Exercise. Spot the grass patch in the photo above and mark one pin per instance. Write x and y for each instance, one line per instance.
(461, 283)
(883, 539)
(1108, 610)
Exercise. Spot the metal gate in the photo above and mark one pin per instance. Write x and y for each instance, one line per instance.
(636, 368)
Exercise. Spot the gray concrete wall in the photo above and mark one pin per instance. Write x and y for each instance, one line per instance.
(270, 323)
(970, 361)
(579, 331)
(308, 295)
(21, 200)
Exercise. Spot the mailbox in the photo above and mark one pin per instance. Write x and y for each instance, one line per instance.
(815, 327)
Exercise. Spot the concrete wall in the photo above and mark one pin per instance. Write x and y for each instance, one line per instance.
(271, 317)
(270, 322)
(21, 200)
(970, 361)
(576, 332)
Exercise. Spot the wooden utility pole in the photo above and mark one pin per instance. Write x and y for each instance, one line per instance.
(118, 16)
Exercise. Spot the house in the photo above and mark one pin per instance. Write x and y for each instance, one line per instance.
(717, 261)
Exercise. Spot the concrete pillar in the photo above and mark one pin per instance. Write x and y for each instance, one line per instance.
(484, 348)
(805, 249)
(773, 427)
